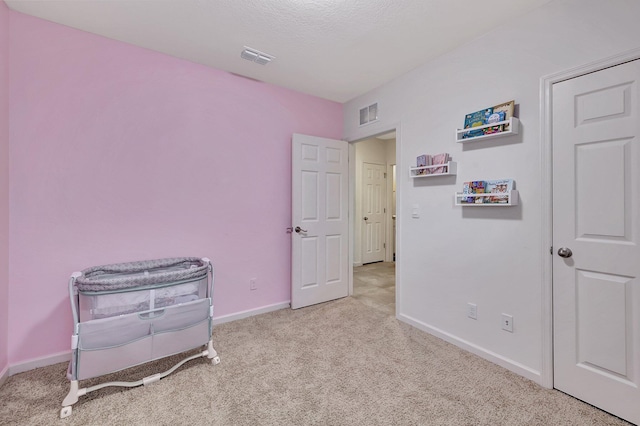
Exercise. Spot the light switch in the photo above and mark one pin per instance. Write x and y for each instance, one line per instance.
(415, 211)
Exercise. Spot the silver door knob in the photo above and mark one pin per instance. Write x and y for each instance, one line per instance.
(299, 230)
(366, 218)
(565, 252)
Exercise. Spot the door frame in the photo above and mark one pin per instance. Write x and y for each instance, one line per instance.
(352, 207)
(388, 254)
(546, 144)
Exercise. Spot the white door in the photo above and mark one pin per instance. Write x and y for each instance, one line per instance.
(320, 247)
(373, 212)
(596, 215)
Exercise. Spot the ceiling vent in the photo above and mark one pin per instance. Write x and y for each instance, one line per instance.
(256, 56)
(369, 114)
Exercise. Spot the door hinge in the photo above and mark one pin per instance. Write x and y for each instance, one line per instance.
(385, 175)
(384, 210)
(551, 250)
(384, 245)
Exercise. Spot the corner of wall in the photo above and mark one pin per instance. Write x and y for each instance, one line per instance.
(4, 375)
(4, 190)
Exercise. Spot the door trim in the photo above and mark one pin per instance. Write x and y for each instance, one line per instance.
(546, 123)
(388, 254)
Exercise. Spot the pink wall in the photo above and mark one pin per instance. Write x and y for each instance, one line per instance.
(4, 184)
(119, 153)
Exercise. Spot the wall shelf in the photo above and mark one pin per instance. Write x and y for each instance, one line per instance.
(451, 169)
(514, 128)
(512, 199)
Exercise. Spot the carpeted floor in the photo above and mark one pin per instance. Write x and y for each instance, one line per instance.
(338, 363)
(374, 285)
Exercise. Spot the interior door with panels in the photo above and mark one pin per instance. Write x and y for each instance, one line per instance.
(373, 211)
(320, 237)
(596, 232)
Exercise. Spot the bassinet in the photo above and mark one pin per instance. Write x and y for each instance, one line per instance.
(131, 313)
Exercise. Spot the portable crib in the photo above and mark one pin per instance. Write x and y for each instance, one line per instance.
(131, 313)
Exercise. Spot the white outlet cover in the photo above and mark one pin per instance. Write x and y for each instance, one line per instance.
(507, 323)
(472, 310)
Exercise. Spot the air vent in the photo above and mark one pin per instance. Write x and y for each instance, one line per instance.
(369, 114)
(253, 55)
(248, 55)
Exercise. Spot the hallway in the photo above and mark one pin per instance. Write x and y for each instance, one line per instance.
(375, 285)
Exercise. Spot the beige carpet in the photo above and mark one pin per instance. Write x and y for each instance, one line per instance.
(339, 363)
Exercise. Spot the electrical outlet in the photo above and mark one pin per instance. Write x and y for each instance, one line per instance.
(472, 310)
(253, 284)
(507, 323)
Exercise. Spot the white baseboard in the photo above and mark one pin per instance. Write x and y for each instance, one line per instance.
(356, 264)
(66, 355)
(4, 375)
(500, 360)
(39, 362)
(251, 312)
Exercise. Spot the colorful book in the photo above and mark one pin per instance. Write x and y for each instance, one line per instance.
(478, 187)
(496, 117)
(475, 119)
(466, 189)
(507, 108)
(421, 161)
(440, 159)
(500, 186)
(473, 187)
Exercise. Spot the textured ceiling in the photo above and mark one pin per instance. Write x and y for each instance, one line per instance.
(334, 49)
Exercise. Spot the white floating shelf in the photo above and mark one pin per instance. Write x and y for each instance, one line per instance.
(514, 128)
(417, 172)
(512, 199)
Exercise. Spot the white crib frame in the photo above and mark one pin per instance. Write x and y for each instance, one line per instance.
(75, 392)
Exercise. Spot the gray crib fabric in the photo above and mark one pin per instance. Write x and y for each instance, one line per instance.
(121, 276)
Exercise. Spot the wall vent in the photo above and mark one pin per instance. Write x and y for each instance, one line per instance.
(253, 55)
(369, 114)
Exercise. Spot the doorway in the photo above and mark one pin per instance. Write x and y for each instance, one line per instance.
(374, 202)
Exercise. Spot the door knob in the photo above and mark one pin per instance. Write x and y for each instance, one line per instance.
(366, 218)
(299, 230)
(565, 252)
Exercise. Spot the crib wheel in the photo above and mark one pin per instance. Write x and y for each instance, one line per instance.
(65, 412)
(215, 360)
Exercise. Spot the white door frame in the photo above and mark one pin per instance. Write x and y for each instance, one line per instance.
(352, 207)
(546, 113)
(390, 239)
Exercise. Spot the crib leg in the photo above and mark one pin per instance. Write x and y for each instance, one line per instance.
(69, 400)
(212, 354)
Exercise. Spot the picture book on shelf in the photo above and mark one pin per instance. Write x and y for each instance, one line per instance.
(466, 189)
(496, 114)
(440, 159)
(505, 110)
(473, 187)
(475, 119)
(496, 117)
(421, 161)
(500, 186)
(478, 187)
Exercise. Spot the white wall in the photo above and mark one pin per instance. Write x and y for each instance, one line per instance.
(492, 257)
